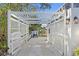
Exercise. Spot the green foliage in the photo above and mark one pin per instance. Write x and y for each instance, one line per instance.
(38, 28)
(76, 52)
(34, 27)
(3, 25)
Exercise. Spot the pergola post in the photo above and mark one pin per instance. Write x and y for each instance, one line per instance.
(9, 37)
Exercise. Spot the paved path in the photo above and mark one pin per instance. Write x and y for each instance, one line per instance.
(38, 47)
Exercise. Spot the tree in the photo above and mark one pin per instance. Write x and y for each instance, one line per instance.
(34, 27)
(45, 5)
(3, 25)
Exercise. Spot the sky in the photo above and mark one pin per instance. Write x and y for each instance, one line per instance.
(54, 7)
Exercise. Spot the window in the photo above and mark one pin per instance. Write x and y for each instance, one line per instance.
(68, 5)
(76, 5)
(75, 21)
(67, 21)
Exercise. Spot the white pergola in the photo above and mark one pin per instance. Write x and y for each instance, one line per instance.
(59, 33)
(18, 27)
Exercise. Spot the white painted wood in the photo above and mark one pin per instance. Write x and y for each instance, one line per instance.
(17, 34)
(57, 33)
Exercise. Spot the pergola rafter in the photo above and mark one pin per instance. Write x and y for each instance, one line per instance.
(34, 17)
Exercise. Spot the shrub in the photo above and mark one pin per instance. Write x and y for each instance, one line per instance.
(76, 52)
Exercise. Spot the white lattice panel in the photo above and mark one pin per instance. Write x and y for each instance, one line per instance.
(17, 34)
